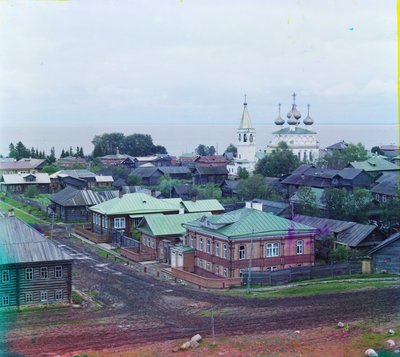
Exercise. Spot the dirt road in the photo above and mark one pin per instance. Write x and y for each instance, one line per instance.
(138, 308)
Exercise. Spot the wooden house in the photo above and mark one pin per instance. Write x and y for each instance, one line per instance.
(71, 161)
(211, 161)
(223, 244)
(33, 269)
(23, 166)
(19, 183)
(375, 166)
(203, 175)
(386, 256)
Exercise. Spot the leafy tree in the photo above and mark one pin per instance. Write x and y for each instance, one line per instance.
(133, 180)
(308, 201)
(201, 150)
(211, 150)
(165, 185)
(335, 201)
(390, 214)
(358, 203)
(243, 173)
(50, 169)
(254, 187)
(209, 191)
(107, 143)
(232, 148)
(31, 191)
(138, 145)
(377, 150)
(159, 149)
(344, 253)
(340, 158)
(280, 162)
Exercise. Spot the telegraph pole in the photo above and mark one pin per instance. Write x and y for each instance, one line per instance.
(212, 326)
(250, 262)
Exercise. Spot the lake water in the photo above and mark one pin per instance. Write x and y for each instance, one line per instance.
(185, 138)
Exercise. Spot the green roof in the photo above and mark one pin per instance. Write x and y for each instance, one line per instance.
(247, 222)
(134, 203)
(177, 202)
(297, 130)
(203, 206)
(374, 164)
(318, 192)
(169, 224)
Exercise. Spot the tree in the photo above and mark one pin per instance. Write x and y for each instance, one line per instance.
(50, 169)
(211, 150)
(133, 180)
(31, 192)
(201, 150)
(308, 201)
(254, 187)
(159, 149)
(390, 215)
(377, 150)
(358, 203)
(107, 144)
(62, 153)
(209, 191)
(242, 173)
(165, 185)
(335, 201)
(280, 162)
(232, 148)
(340, 158)
(52, 157)
(138, 145)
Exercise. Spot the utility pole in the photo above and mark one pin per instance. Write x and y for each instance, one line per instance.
(52, 224)
(250, 261)
(212, 326)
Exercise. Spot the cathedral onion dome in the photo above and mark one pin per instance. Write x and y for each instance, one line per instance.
(294, 115)
(308, 120)
(279, 120)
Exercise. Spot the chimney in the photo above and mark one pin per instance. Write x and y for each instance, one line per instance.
(194, 198)
(153, 192)
(120, 193)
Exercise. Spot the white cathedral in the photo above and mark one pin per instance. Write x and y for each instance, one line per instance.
(302, 141)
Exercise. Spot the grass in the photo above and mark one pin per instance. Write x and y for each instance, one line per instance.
(318, 289)
(353, 276)
(43, 198)
(102, 253)
(76, 298)
(21, 215)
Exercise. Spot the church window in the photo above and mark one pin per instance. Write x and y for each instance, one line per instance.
(251, 138)
(245, 138)
(240, 138)
(305, 155)
(310, 156)
(298, 154)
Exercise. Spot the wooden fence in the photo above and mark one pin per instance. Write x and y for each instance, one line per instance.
(284, 276)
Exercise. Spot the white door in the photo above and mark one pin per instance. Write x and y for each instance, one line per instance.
(173, 259)
(180, 260)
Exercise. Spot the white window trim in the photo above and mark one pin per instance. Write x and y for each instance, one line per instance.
(5, 298)
(42, 293)
(60, 274)
(300, 247)
(58, 292)
(272, 250)
(119, 222)
(44, 270)
(30, 272)
(242, 252)
(217, 249)
(5, 273)
(31, 298)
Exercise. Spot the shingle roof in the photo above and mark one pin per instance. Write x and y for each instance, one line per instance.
(70, 197)
(349, 233)
(18, 179)
(386, 242)
(247, 222)
(374, 164)
(171, 224)
(349, 173)
(174, 170)
(387, 185)
(133, 203)
(144, 171)
(20, 243)
(211, 159)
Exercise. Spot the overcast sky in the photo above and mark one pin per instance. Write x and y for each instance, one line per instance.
(191, 61)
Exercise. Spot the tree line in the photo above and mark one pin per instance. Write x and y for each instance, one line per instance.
(20, 151)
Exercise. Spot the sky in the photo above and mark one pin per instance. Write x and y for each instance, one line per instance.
(188, 62)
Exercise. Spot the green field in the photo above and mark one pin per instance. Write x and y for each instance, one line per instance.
(21, 215)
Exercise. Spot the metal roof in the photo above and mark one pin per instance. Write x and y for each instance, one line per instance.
(20, 243)
(296, 131)
(102, 178)
(202, 206)
(71, 197)
(247, 222)
(174, 170)
(82, 174)
(245, 122)
(374, 164)
(211, 170)
(133, 203)
(169, 224)
(19, 179)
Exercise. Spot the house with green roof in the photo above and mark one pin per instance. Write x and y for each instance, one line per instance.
(158, 233)
(223, 244)
(374, 166)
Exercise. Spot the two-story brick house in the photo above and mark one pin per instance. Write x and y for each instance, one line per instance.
(223, 244)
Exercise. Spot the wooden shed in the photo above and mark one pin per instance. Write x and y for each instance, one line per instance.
(386, 255)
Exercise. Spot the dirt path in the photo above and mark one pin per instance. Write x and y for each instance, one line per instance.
(139, 309)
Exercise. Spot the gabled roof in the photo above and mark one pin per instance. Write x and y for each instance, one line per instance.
(19, 179)
(170, 224)
(274, 207)
(247, 222)
(102, 178)
(174, 170)
(15, 165)
(350, 233)
(82, 174)
(144, 172)
(374, 164)
(182, 189)
(231, 184)
(20, 243)
(71, 197)
(211, 170)
(385, 243)
(349, 173)
(133, 203)
(211, 159)
(202, 206)
(387, 185)
(341, 145)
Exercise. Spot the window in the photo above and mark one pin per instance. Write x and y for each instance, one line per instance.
(208, 246)
(29, 273)
(299, 247)
(383, 198)
(152, 244)
(217, 249)
(191, 242)
(272, 249)
(5, 300)
(225, 273)
(119, 223)
(5, 276)
(148, 242)
(43, 273)
(201, 244)
(29, 298)
(59, 295)
(43, 296)
(200, 263)
(241, 273)
(217, 269)
(242, 252)
(208, 266)
(377, 196)
(272, 268)
(225, 251)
